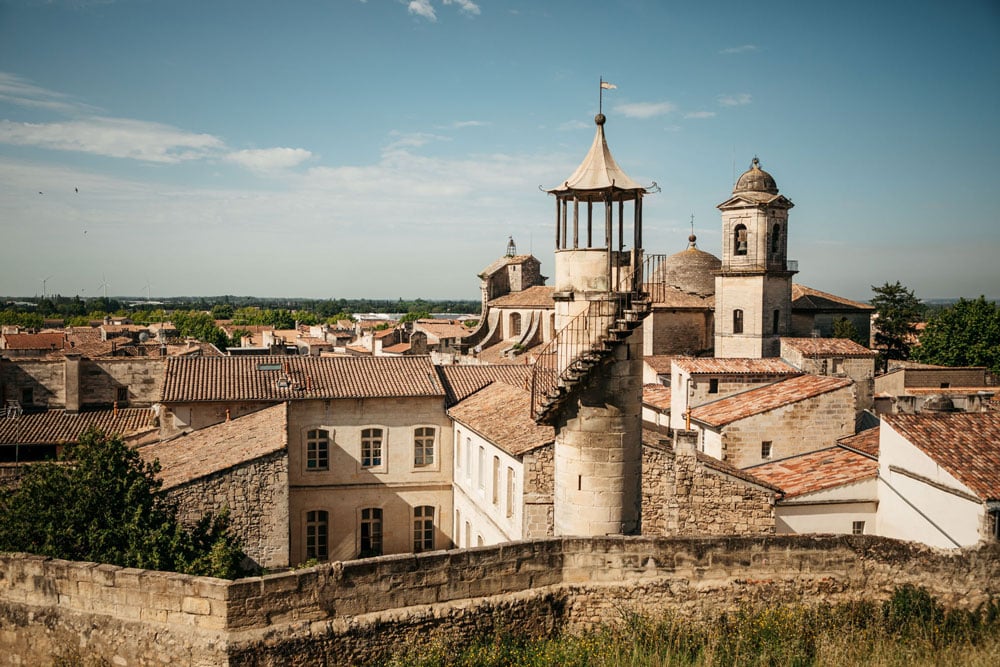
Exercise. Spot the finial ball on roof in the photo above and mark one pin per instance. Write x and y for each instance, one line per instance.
(599, 119)
(692, 239)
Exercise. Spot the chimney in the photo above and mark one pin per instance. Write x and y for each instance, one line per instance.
(72, 383)
(685, 442)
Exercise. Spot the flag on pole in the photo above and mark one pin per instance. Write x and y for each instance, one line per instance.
(608, 86)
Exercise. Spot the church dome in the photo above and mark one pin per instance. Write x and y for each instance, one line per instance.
(756, 179)
(691, 270)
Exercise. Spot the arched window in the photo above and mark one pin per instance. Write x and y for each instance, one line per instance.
(740, 240)
(737, 321)
(515, 324)
(423, 528)
(776, 239)
(371, 532)
(317, 449)
(317, 525)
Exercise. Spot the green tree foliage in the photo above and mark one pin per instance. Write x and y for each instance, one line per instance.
(967, 334)
(844, 328)
(102, 503)
(415, 315)
(898, 311)
(201, 326)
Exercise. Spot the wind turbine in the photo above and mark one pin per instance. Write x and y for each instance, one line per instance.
(147, 290)
(104, 286)
(44, 281)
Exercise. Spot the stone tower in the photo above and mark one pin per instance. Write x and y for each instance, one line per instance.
(753, 287)
(587, 382)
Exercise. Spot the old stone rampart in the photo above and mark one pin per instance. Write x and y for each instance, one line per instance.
(355, 612)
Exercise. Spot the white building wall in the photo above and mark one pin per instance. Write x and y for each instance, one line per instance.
(910, 509)
(833, 510)
(486, 513)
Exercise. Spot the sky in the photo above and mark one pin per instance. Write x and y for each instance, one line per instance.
(389, 148)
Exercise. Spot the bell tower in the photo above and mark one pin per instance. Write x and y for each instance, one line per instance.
(587, 382)
(753, 287)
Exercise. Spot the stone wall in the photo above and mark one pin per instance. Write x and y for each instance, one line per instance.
(358, 611)
(141, 378)
(539, 471)
(683, 495)
(256, 495)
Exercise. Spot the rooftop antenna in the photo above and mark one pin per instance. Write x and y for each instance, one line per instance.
(605, 85)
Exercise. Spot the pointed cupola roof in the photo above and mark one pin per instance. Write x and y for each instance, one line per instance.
(598, 172)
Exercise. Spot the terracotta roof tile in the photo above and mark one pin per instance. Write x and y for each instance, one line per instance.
(398, 348)
(56, 427)
(824, 347)
(538, 296)
(260, 378)
(966, 444)
(762, 399)
(220, 447)
(438, 329)
(718, 366)
(501, 414)
(660, 363)
(815, 471)
(865, 442)
(503, 262)
(656, 395)
(807, 298)
(462, 381)
(34, 341)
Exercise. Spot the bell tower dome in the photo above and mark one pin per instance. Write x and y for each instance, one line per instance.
(753, 287)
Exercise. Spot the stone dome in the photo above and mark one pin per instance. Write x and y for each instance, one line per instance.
(691, 270)
(756, 179)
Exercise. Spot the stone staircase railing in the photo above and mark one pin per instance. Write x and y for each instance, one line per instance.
(589, 338)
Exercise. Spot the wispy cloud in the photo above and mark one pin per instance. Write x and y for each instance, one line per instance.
(113, 137)
(15, 90)
(469, 123)
(267, 160)
(573, 125)
(645, 109)
(425, 9)
(402, 140)
(699, 114)
(746, 48)
(736, 100)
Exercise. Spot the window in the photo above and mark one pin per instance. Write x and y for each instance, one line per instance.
(510, 492)
(945, 385)
(737, 321)
(121, 395)
(837, 365)
(423, 446)
(468, 534)
(371, 532)
(317, 449)
(765, 449)
(515, 324)
(775, 239)
(458, 528)
(468, 459)
(423, 528)
(27, 396)
(458, 450)
(713, 386)
(740, 240)
(479, 540)
(496, 480)
(317, 523)
(858, 528)
(371, 447)
(775, 321)
(481, 468)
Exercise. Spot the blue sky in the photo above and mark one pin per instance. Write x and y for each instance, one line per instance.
(388, 148)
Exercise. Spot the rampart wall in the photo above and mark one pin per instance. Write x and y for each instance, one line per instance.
(356, 612)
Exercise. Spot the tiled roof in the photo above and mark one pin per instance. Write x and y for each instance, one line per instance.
(825, 347)
(717, 366)
(538, 296)
(36, 341)
(951, 391)
(656, 395)
(866, 441)
(55, 427)
(253, 378)
(815, 471)
(505, 261)
(501, 414)
(807, 298)
(966, 444)
(660, 363)
(763, 399)
(438, 329)
(398, 348)
(220, 447)
(462, 381)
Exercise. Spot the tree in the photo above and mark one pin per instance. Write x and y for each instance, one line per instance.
(102, 503)
(967, 334)
(844, 328)
(897, 311)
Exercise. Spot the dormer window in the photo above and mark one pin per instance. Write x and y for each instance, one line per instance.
(740, 240)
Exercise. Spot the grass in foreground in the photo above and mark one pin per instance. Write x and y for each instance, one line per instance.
(910, 629)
